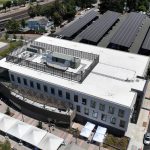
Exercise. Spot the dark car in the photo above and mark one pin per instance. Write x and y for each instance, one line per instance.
(146, 139)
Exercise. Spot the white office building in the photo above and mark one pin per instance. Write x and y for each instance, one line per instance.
(101, 84)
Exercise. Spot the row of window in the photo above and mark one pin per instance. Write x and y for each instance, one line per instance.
(111, 110)
(103, 116)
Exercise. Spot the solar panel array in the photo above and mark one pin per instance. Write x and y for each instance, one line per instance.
(78, 24)
(126, 34)
(97, 30)
(146, 44)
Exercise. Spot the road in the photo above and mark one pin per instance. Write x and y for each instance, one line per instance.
(147, 147)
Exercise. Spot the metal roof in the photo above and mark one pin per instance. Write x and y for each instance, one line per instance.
(97, 30)
(126, 34)
(146, 44)
(70, 30)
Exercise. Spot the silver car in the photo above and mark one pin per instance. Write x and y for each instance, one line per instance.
(146, 139)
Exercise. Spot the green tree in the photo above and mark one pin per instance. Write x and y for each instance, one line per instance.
(6, 145)
(142, 8)
(22, 2)
(23, 23)
(57, 18)
(8, 111)
(31, 12)
(8, 4)
(4, 6)
(6, 36)
(14, 36)
(40, 125)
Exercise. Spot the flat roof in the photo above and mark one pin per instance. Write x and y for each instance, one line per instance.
(126, 34)
(97, 29)
(116, 73)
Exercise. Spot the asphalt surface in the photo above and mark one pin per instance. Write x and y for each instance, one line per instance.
(147, 147)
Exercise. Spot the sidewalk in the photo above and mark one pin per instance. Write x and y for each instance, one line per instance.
(137, 131)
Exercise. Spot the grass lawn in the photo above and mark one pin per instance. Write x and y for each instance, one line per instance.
(118, 142)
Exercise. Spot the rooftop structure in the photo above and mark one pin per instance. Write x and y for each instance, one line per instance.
(71, 30)
(126, 34)
(96, 30)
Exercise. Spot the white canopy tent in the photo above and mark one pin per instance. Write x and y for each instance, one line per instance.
(98, 137)
(89, 126)
(101, 130)
(85, 132)
(6, 123)
(19, 129)
(50, 142)
(34, 136)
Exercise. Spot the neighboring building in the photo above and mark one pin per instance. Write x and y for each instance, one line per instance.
(37, 23)
(105, 86)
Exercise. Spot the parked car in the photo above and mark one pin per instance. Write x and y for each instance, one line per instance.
(146, 139)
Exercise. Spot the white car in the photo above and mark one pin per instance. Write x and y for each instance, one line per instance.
(146, 139)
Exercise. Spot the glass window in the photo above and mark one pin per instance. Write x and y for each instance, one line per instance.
(25, 81)
(83, 101)
(60, 93)
(103, 117)
(113, 120)
(45, 88)
(76, 98)
(102, 107)
(31, 84)
(53, 91)
(78, 108)
(121, 113)
(86, 111)
(12, 77)
(95, 114)
(122, 123)
(93, 104)
(18, 79)
(38, 86)
(67, 95)
(111, 110)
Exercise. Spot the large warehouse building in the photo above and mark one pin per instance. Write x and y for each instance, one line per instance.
(102, 85)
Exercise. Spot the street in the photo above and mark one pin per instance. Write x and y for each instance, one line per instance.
(147, 147)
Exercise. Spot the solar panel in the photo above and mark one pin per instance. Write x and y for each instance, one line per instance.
(97, 30)
(146, 44)
(69, 31)
(126, 34)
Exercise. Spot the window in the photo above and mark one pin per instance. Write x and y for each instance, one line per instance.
(18, 79)
(113, 120)
(95, 114)
(103, 117)
(93, 104)
(121, 113)
(76, 98)
(83, 101)
(38, 86)
(45, 88)
(86, 111)
(67, 95)
(53, 91)
(78, 108)
(111, 110)
(31, 84)
(60, 93)
(122, 123)
(12, 77)
(25, 81)
(102, 107)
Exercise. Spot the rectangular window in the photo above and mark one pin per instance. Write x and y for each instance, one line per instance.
(25, 81)
(12, 77)
(103, 117)
(53, 91)
(121, 113)
(86, 111)
(122, 123)
(76, 98)
(101, 107)
(78, 108)
(18, 79)
(59, 93)
(93, 104)
(113, 120)
(111, 110)
(45, 88)
(83, 101)
(95, 114)
(67, 95)
(38, 86)
(31, 84)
